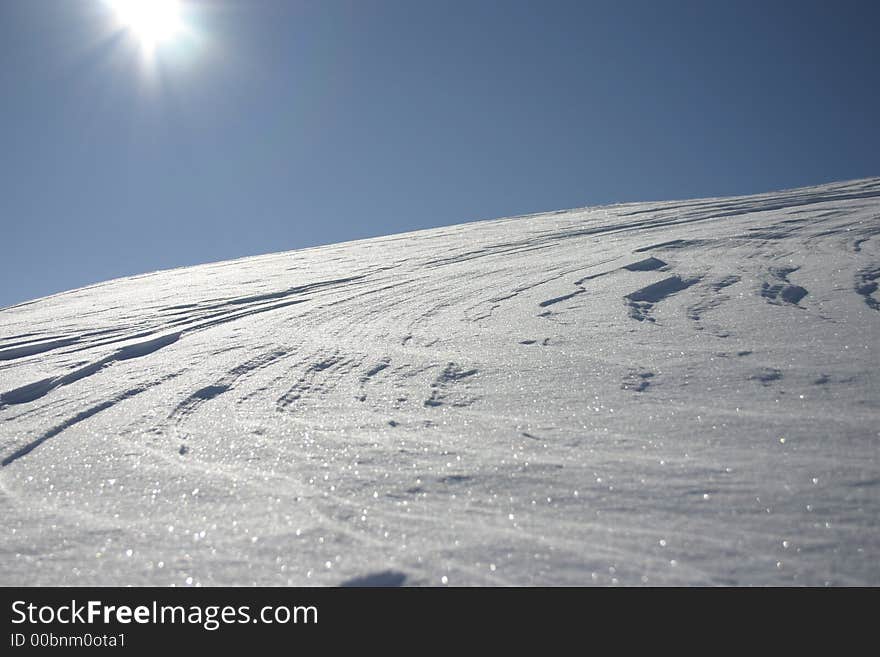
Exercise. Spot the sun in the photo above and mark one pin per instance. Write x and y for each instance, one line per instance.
(152, 22)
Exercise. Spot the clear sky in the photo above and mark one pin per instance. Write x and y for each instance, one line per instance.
(268, 125)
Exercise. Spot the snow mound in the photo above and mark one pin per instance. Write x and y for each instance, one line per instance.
(648, 393)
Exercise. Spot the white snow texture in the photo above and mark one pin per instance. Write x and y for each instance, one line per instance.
(671, 393)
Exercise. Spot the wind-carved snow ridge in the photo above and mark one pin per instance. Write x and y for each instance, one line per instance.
(33, 391)
(679, 392)
(642, 301)
(780, 289)
(866, 285)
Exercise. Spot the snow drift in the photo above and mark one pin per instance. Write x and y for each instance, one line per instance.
(647, 393)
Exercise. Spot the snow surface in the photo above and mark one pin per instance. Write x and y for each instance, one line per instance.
(661, 393)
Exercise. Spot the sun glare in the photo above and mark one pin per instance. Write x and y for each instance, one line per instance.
(151, 21)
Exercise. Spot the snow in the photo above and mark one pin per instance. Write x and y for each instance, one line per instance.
(648, 393)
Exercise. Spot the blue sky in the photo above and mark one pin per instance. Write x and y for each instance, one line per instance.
(272, 125)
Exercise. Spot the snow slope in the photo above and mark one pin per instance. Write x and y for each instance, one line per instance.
(661, 393)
